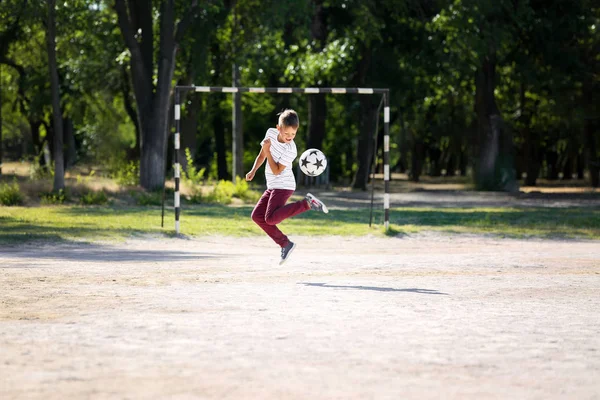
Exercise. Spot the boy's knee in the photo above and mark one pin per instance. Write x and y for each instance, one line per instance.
(257, 218)
(269, 220)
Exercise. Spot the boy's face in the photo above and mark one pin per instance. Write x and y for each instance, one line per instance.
(286, 133)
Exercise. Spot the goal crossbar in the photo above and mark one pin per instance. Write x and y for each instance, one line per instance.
(284, 90)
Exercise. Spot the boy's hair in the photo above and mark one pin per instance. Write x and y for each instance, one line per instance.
(288, 117)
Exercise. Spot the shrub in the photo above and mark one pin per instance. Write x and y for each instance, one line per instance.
(192, 175)
(39, 172)
(125, 173)
(54, 197)
(10, 194)
(196, 197)
(94, 198)
(242, 191)
(222, 193)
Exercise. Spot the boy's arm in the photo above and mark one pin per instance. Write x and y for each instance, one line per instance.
(276, 167)
(260, 159)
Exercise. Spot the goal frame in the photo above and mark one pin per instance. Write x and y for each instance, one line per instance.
(179, 89)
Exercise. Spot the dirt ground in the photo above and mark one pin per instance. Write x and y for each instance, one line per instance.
(424, 316)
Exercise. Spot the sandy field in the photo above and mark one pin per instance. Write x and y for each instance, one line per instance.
(427, 316)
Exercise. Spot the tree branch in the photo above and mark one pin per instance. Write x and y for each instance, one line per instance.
(141, 73)
(125, 25)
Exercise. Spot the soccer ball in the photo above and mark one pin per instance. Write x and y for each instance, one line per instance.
(313, 162)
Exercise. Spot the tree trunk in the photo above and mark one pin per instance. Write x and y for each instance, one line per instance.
(8, 36)
(219, 132)
(59, 171)
(69, 139)
(435, 158)
(317, 106)
(317, 115)
(418, 156)
(592, 151)
(495, 169)
(368, 115)
(135, 22)
(218, 125)
(368, 120)
(34, 127)
(237, 140)
(132, 154)
(237, 131)
(531, 153)
(1, 142)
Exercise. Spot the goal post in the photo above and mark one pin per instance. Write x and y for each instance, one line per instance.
(283, 90)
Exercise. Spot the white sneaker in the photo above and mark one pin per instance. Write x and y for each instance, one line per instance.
(316, 204)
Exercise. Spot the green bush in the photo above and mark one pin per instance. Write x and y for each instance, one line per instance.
(125, 173)
(222, 193)
(54, 197)
(242, 191)
(192, 175)
(196, 197)
(10, 194)
(39, 172)
(94, 198)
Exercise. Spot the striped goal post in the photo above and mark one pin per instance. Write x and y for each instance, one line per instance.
(289, 90)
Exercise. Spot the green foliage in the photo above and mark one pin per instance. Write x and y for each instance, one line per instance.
(94, 198)
(40, 172)
(86, 179)
(222, 193)
(427, 53)
(52, 198)
(192, 175)
(242, 191)
(196, 197)
(10, 194)
(125, 173)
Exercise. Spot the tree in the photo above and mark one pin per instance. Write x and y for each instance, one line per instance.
(59, 169)
(482, 33)
(317, 106)
(12, 33)
(135, 18)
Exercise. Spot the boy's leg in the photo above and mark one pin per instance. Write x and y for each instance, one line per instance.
(259, 215)
(277, 211)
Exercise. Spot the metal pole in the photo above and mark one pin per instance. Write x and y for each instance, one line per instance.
(176, 159)
(374, 161)
(386, 160)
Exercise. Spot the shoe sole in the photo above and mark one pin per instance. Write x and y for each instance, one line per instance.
(288, 255)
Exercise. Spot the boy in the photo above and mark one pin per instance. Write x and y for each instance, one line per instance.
(279, 149)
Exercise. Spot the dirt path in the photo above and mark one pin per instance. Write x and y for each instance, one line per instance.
(425, 316)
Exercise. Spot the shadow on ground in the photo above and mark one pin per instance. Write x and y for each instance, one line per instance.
(102, 253)
(374, 288)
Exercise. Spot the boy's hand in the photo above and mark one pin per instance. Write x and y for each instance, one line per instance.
(250, 175)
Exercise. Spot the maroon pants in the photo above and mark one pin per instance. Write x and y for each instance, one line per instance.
(271, 210)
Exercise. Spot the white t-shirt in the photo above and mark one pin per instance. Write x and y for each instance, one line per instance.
(284, 154)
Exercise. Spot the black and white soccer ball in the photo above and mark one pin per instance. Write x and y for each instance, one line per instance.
(313, 162)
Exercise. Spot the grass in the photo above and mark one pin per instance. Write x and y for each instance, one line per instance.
(115, 223)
